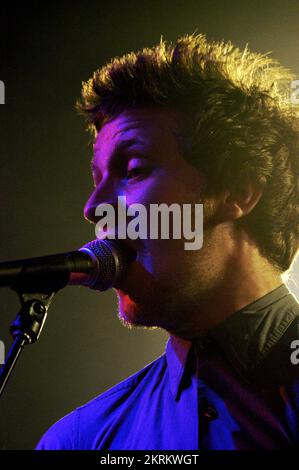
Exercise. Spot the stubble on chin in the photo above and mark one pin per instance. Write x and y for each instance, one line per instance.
(132, 314)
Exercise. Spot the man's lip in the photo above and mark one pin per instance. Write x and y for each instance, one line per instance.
(127, 252)
(131, 254)
(131, 248)
(129, 259)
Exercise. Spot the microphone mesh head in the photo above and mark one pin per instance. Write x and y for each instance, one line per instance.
(112, 260)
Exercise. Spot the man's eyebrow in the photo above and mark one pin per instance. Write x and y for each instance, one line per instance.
(121, 146)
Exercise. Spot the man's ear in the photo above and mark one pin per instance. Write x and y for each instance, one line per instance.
(233, 204)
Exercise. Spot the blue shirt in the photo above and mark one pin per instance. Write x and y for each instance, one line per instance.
(235, 388)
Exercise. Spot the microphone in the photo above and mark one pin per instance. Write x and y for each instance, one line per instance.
(100, 265)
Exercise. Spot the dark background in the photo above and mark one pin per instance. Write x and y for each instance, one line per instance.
(47, 49)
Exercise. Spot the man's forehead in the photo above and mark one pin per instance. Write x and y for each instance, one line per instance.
(140, 124)
(117, 130)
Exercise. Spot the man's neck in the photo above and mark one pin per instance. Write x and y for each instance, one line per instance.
(238, 289)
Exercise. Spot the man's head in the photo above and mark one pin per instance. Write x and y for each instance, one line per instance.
(211, 124)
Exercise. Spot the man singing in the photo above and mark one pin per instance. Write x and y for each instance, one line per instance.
(187, 123)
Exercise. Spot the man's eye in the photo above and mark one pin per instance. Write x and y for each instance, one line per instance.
(134, 173)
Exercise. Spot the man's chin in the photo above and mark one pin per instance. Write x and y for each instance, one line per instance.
(132, 314)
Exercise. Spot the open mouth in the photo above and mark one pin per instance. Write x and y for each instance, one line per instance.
(124, 255)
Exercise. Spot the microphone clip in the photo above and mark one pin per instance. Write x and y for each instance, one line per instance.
(26, 328)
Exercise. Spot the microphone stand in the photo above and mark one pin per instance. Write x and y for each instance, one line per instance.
(26, 328)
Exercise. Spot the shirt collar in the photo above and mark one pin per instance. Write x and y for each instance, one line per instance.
(177, 350)
(244, 338)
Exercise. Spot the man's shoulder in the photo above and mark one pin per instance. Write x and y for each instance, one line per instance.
(88, 419)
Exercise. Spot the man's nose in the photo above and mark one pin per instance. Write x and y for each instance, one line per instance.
(103, 194)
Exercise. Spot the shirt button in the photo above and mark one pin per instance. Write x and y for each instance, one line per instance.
(210, 413)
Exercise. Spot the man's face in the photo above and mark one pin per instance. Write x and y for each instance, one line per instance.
(136, 155)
